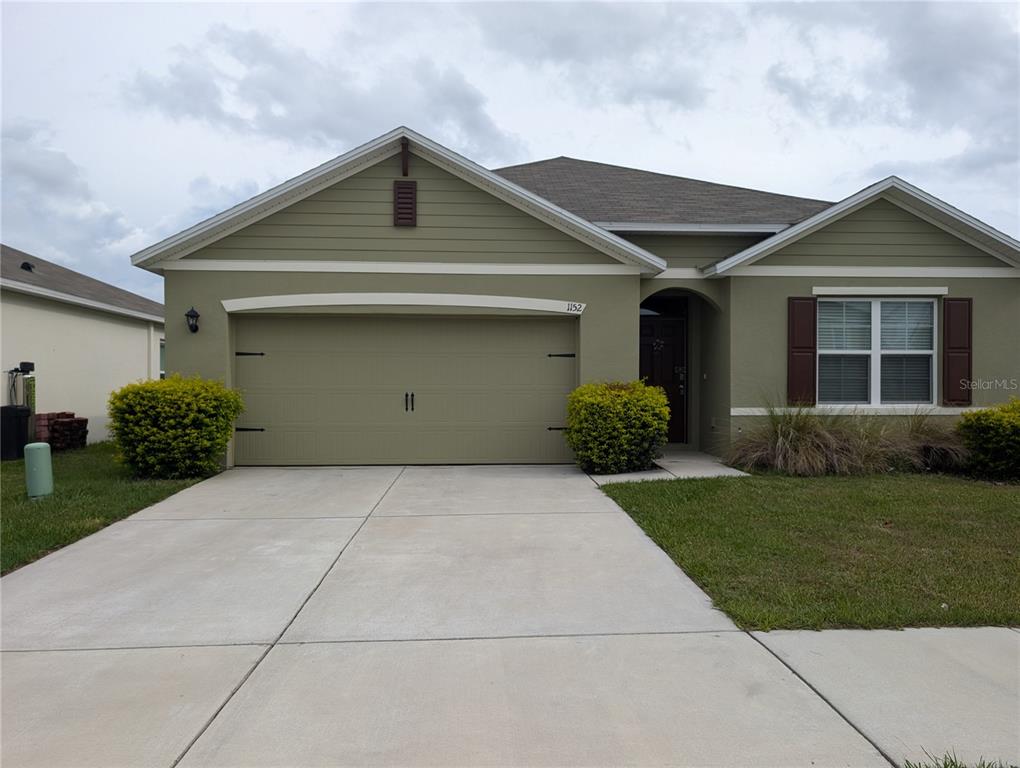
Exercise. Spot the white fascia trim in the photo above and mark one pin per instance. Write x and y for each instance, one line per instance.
(665, 228)
(863, 410)
(961, 216)
(883, 272)
(403, 300)
(847, 206)
(863, 290)
(398, 267)
(67, 298)
(368, 154)
(680, 273)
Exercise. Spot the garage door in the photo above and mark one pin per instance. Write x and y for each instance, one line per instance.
(403, 390)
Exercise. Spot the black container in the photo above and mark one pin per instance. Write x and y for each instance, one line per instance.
(13, 431)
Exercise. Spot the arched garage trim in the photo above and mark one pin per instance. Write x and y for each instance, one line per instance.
(364, 299)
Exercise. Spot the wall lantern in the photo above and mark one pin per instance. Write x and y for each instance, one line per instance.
(192, 317)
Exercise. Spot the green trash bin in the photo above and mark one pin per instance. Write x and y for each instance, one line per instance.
(38, 470)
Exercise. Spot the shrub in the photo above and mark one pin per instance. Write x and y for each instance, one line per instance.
(993, 437)
(175, 427)
(797, 441)
(617, 426)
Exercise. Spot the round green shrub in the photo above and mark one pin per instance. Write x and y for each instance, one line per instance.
(992, 436)
(175, 427)
(617, 426)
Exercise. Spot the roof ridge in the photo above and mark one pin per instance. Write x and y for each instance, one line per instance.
(663, 175)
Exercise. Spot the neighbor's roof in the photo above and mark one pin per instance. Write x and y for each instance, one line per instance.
(612, 194)
(61, 284)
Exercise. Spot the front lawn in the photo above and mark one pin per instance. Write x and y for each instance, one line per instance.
(811, 553)
(90, 491)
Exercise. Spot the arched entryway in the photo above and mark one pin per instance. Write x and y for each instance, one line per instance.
(677, 339)
(665, 355)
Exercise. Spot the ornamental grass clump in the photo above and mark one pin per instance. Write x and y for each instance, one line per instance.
(798, 441)
(175, 427)
(617, 427)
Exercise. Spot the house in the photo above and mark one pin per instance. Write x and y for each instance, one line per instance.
(402, 304)
(86, 337)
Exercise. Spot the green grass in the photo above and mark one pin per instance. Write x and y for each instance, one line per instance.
(91, 490)
(811, 553)
(951, 761)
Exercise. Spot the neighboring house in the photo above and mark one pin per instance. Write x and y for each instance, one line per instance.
(402, 304)
(85, 337)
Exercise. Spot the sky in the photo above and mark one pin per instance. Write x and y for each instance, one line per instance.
(123, 124)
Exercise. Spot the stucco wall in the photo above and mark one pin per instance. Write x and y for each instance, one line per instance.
(759, 346)
(758, 336)
(608, 326)
(81, 355)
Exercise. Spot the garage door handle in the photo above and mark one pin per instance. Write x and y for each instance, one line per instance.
(405, 402)
(412, 401)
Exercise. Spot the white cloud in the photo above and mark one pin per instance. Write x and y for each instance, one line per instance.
(125, 123)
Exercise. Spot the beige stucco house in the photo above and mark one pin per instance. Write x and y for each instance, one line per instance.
(402, 304)
(86, 337)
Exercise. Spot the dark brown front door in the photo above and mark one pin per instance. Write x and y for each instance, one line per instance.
(664, 364)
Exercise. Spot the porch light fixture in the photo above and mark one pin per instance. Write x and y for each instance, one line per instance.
(192, 317)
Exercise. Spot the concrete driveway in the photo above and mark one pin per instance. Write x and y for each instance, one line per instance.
(439, 616)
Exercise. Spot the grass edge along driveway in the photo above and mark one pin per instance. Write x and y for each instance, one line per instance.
(883, 551)
(90, 491)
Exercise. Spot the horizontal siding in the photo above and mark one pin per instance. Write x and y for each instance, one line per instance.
(881, 234)
(353, 220)
(693, 250)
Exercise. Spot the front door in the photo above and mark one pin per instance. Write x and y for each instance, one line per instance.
(664, 364)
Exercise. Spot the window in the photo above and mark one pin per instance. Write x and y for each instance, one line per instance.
(162, 358)
(876, 351)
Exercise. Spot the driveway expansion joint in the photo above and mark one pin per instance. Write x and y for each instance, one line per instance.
(474, 638)
(264, 654)
(885, 755)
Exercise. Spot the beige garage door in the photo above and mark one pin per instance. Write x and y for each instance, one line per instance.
(340, 389)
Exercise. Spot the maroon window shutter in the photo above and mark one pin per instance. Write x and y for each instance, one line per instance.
(405, 203)
(957, 336)
(801, 350)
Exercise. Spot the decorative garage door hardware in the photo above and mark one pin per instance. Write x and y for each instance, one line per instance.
(249, 429)
(555, 429)
(408, 400)
(561, 354)
(249, 354)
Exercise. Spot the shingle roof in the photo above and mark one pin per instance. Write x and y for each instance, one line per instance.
(53, 277)
(601, 192)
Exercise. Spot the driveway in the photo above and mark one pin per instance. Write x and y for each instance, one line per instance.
(437, 616)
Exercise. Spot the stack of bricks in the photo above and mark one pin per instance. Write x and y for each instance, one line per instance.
(61, 430)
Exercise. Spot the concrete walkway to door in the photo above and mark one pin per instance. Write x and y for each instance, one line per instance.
(442, 616)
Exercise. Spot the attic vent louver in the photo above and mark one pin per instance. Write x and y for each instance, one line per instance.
(28, 266)
(405, 203)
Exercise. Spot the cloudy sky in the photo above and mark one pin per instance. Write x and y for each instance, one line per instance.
(123, 124)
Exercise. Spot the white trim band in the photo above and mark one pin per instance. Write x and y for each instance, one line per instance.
(864, 290)
(67, 298)
(652, 228)
(358, 299)
(397, 267)
(883, 272)
(863, 410)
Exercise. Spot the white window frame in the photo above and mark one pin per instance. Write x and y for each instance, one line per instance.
(875, 353)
